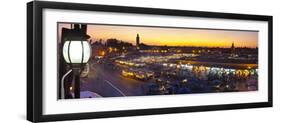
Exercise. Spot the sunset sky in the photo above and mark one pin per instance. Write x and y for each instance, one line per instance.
(172, 36)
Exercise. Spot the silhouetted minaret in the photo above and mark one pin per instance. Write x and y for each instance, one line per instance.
(232, 53)
(232, 48)
(138, 40)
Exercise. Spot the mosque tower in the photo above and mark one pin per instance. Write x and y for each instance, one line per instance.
(138, 40)
(232, 52)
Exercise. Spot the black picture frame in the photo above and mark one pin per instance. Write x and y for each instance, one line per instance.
(34, 60)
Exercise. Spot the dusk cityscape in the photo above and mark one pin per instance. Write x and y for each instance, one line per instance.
(142, 61)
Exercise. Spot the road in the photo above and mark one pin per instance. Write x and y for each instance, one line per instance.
(109, 83)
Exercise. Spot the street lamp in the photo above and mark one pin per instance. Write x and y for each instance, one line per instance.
(76, 53)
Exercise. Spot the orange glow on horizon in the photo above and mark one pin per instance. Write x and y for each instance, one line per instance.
(173, 36)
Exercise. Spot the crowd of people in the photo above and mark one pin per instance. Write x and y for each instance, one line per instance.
(201, 79)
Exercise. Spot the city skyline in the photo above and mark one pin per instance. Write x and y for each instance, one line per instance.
(171, 36)
(138, 69)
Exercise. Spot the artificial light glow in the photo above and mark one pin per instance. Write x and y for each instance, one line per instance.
(74, 52)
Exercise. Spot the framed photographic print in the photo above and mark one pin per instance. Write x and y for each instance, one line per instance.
(94, 61)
